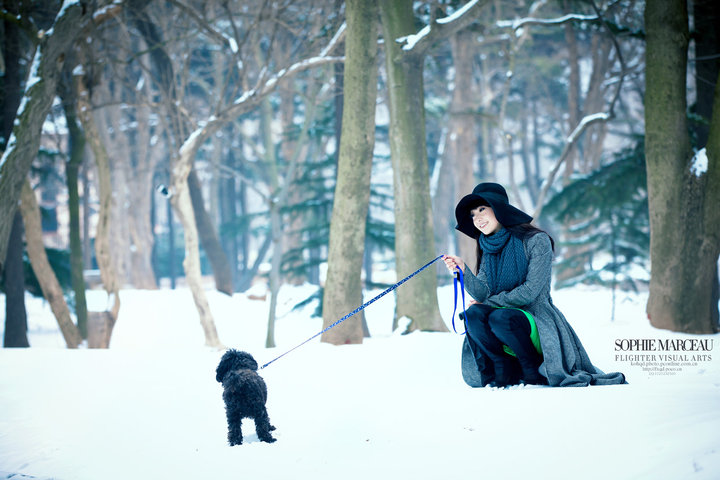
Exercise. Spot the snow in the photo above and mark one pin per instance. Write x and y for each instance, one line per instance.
(521, 22)
(334, 41)
(394, 407)
(233, 44)
(458, 13)
(596, 117)
(699, 164)
(410, 41)
(103, 11)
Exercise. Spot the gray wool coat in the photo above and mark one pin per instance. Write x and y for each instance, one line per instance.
(565, 362)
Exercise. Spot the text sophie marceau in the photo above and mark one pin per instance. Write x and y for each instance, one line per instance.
(658, 356)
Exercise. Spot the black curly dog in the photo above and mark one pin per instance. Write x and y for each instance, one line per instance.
(245, 394)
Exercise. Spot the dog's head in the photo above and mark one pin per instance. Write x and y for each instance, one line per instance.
(234, 360)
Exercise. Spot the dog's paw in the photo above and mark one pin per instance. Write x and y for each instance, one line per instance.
(268, 439)
(272, 427)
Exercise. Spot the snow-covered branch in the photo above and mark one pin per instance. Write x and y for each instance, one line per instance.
(251, 99)
(108, 11)
(522, 22)
(583, 125)
(444, 27)
(337, 38)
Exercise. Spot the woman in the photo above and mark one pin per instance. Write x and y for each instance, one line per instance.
(514, 332)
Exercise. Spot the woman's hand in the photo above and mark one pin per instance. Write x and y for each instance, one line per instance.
(453, 263)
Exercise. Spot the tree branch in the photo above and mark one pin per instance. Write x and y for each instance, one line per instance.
(442, 28)
(569, 143)
(251, 98)
(522, 22)
(588, 120)
(618, 51)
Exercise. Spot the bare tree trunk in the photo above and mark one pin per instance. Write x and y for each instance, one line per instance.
(14, 48)
(139, 224)
(228, 213)
(77, 155)
(204, 228)
(573, 89)
(41, 266)
(103, 251)
(414, 239)
(683, 196)
(530, 175)
(13, 279)
(706, 15)
(343, 287)
(276, 234)
(183, 163)
(288, 149)
(457, 176)
(594, 137)
(112, 138)
(182, 204)
(208, 237)
(25, 139)
(276, 227)
(210, 241)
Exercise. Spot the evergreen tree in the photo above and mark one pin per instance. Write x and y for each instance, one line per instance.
(614, 239)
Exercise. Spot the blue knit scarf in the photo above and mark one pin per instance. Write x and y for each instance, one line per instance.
(504, 261)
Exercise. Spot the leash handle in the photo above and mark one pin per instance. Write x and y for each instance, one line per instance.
(458, 279)
(361, 307)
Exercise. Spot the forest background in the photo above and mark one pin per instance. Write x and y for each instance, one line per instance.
(286, 142)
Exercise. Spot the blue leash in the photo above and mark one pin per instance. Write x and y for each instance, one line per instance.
(361, 307)
(459, 278)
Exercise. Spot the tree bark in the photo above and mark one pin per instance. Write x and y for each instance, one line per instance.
(52, 291)
(573, 88)
(39, 95)
(414, 239)
(13, 279)
(165, 77)
(142, 274)
(711, 214)
(276, 227)
(76, 140)
(229, 213)
(458, 162)
(343, 286)
(103, 251)
(14, 47)
(706, 15)
(182, 205)
(684, 236)
(208, 238)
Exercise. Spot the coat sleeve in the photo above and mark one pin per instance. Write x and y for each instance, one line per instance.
(476, 285)
(540, 257)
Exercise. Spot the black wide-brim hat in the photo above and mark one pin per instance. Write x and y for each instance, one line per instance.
(491, 194)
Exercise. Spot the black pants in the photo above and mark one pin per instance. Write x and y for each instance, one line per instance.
(488, 330)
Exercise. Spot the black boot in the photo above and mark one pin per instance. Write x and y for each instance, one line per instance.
(507, 372)
(513, 329)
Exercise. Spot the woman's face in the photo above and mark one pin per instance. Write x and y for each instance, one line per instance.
(484, 219)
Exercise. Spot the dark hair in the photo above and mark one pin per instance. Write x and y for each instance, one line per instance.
(522, 231)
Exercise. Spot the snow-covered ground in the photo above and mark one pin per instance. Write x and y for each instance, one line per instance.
(393, 408)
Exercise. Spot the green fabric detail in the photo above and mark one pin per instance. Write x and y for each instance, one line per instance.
(534, 337)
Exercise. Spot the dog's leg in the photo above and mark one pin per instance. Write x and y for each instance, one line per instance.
(235, 436)
(263, 427)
